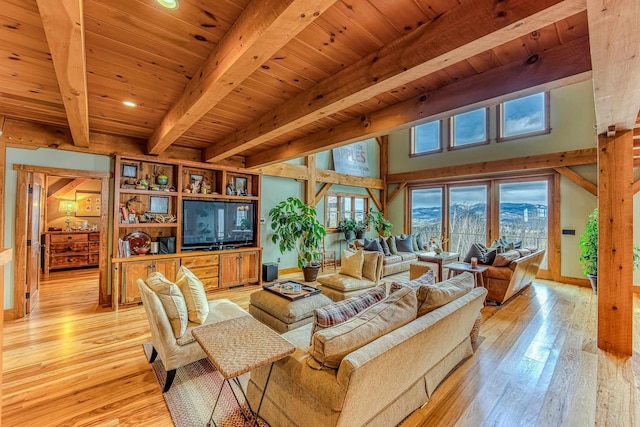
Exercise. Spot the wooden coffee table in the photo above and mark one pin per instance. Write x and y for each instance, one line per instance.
(462, 267)
(238, 346)
(444, 258)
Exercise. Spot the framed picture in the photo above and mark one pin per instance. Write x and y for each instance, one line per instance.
(88, 204)
(195, 177)
(158, 205)
(129, 171)
(240, 185)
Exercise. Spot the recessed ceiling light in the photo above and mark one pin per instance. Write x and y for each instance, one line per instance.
(129, 104)
(169, 4)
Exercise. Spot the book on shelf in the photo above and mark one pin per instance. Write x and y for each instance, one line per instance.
(127, 249)
(120, 248)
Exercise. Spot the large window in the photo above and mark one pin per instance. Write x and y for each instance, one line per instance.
(426, 138)
(426, 212)
(339, 206)
(467, 217)
(470, 128)
(524, 213)
(525, 116)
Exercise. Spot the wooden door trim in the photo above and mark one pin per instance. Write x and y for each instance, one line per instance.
(104, 299)
(20, 246)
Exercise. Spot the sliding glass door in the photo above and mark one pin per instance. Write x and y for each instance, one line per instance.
(467, 217)
(426, 211)
(524, 213)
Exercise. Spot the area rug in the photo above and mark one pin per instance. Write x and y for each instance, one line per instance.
(193, 393)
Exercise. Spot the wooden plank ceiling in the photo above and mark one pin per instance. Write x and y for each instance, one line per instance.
(267, 80)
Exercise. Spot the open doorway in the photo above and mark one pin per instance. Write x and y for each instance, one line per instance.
(61, 225)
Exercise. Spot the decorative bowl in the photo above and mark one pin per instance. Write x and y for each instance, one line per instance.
(162, 179)
(142, 250)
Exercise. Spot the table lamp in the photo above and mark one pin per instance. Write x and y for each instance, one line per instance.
(68, 206)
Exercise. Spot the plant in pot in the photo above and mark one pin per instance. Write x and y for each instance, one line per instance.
(348, 226)
(295, 227)
(361, 228)
(589, 251)
(379, 222)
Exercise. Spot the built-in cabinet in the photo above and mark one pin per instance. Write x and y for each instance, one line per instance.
(171, 213)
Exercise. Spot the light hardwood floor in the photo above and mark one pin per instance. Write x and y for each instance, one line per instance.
(72, 364)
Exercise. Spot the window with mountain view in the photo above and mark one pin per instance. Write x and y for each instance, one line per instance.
(339, 206)
(525, 116)
(426, 211)
(470, 128)
(426, 138)
(467, 217)
(524, 213)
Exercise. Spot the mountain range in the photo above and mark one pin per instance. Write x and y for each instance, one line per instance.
(511, 212)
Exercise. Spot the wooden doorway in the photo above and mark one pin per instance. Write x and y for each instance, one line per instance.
(34, 229)
(27, 262)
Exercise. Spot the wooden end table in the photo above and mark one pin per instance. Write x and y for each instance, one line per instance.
(238, 346)
(444, 258)
(462, 267)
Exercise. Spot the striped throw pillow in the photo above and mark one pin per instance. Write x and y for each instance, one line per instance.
(338, 312)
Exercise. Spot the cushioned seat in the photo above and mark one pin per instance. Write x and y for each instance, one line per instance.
(391, 259)
(341, 286)
(280, 313)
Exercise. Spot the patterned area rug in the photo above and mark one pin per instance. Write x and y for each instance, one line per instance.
(193, 393)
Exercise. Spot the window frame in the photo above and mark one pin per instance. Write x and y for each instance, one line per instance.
(412, 140)
(451, 127)
(341, 196)
(500, 120)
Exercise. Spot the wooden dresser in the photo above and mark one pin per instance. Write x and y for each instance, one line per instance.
(71, 249)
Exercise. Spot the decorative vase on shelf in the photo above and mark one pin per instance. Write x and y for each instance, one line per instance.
(437, 250)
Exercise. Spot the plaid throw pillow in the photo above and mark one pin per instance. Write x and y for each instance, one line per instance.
(426, 279)
(344, 310)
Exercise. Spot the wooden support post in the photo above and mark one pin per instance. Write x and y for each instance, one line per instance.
(310, 184)
(615, 243)
(395, 192)
(383, 143)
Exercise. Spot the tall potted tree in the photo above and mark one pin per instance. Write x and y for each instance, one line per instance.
(295, 227)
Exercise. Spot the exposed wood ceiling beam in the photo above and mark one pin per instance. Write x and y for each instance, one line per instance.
(521, 164)
(564, 64)
(67, 188)
(63, 22)
(301, 173)
(578, 179)
(262, 29)
(425, 50)
(614, 31)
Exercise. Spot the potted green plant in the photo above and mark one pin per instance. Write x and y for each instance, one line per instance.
(295, 227)
(361, 228)
(589, 251)
(348, 226)
(379, 222)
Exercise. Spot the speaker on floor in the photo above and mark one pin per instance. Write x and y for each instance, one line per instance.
(269, 272)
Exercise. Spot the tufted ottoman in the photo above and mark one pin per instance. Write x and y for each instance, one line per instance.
(282, 314)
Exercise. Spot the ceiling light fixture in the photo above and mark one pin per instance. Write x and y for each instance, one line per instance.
(169, 4)
(129, 104)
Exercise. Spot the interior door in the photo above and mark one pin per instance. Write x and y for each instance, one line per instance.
(33, 240)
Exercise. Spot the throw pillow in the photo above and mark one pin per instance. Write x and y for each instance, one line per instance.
(341, 311)
(499, 247)
(372, 245)
(504, 259)
(172, 301)
(489, 257)
(351, 264)
(474, 251)
(404, 244)
(391, 241)
(415, 284)
(194, 295)
(419, 242)
(385, 247)
(415, 242)
(370, 265)
(517, 245)
(329, 346)
(437, 295)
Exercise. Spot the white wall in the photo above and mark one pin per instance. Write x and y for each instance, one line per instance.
(40, 157)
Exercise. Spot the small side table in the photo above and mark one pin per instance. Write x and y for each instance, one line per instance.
(238, 346)
(461, 267)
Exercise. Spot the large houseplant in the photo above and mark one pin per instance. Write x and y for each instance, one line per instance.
(295, 227)
(589, 251)
(379, 222)
(348, 226)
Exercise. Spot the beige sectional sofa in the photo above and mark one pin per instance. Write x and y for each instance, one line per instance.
(391, 264)
(503, 283)
(378, 384)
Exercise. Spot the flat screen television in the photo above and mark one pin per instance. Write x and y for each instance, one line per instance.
(218, 224)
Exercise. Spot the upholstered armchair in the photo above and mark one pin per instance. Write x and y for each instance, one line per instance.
(177, 352)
